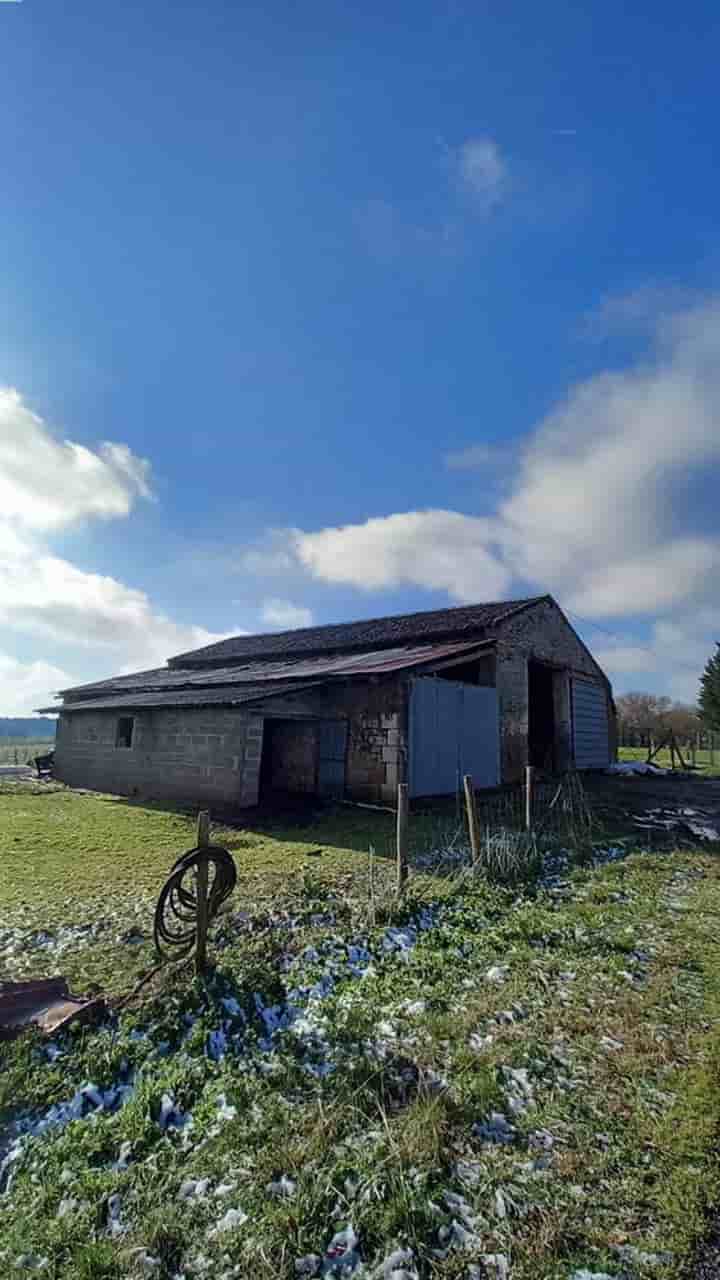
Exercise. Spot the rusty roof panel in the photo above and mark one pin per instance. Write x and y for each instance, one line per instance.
(231, 696)
(378, 661)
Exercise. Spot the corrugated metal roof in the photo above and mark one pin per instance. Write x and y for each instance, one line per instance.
(435, 624)
(377, 661)
(230, 697)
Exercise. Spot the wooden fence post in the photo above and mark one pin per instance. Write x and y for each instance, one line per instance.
(201, 887)
(712, 749)
(402, 835)
(529, 773)
(472, 821)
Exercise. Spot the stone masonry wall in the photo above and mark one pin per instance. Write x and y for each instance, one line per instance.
(190, 756)
(540, 633)
(376, 714)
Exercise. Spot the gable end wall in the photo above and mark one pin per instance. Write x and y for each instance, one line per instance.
(540, 633)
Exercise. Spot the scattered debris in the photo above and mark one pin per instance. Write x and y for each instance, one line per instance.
(47, 1003)
(637, 766)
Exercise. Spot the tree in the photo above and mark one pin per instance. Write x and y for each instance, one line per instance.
(710, 691)
(684, 721)
(642, 715)
(646, 716)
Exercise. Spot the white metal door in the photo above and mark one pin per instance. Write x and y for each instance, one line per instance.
(590, 724)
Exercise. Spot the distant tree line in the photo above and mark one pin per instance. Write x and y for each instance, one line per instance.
(27, 727)
(645, 718)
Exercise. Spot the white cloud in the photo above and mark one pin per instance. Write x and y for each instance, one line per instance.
(436, 549)
(274, 553)
(285, 615)
(47, 483)
(625, 659)
(25, 686)
(43, 595)
(598, 509)
(601, 509)
(482, 171)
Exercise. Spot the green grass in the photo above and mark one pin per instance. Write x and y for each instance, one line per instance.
(72, 858)
(601, 992)
(20, 750)
(702, 758)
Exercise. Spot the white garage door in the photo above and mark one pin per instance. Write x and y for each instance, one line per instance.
(590, 724)
(453, 731)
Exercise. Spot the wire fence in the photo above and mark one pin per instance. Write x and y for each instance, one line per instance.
(557, 807)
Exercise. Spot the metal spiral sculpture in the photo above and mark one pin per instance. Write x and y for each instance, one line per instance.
(175, 926)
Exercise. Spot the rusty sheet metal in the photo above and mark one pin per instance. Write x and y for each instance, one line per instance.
(231, 696)
(44, 1002)
(254, 673)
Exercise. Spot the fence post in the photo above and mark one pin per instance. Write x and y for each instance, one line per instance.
(201, 885)
(472, 821)
(712, 748)
(402, 835)
(529, 775)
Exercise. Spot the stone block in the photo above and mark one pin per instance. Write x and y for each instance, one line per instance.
(392, 776)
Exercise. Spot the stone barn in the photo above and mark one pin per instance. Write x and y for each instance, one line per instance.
(347, 711)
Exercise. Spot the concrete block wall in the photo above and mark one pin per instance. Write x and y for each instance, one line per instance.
(191, 756)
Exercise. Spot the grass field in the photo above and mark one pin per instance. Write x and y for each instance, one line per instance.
(475, 1081)
(20, 750)
(706, 763)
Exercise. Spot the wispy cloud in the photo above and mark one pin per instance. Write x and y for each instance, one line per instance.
(285, 615)
(482, 171)
(479, 457)
(599, 510)
(48, 485)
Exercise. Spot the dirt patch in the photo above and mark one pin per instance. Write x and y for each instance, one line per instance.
(651, 805)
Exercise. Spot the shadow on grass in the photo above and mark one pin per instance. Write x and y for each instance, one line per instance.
(313, 825)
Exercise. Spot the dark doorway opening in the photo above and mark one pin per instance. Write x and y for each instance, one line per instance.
(288, 764)
(301, 758)
(541, 717)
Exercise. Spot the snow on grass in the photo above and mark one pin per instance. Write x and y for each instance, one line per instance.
(428, 1095)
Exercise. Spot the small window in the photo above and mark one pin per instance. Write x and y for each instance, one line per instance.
(124, 731)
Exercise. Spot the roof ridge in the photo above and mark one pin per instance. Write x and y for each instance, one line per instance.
(507, 607)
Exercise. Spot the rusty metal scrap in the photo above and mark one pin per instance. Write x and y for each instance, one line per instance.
(45, 1003)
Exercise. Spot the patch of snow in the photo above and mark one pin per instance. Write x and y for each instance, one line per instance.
(171, 1117)
(124, 1156)
(193, 1189)
(307, 1265)
(216, 1045)
(341, 1256)
(225, 1110)
(497, 973)
(284, 1187)
(229, 1222)
(495, 1129)
(496, 1265)
(115, 1226)
(610, 1044)
(636, 766)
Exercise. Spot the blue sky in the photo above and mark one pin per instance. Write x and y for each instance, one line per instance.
(379, 310)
